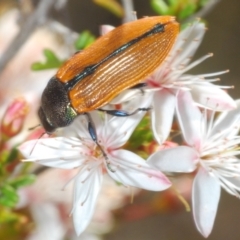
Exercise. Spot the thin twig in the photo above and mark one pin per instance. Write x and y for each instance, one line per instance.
(128, 10)
(34, 20)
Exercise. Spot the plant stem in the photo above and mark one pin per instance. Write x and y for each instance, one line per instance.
(128, 11)
(34, 20)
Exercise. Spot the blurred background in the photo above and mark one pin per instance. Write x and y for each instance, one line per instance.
(167, 218)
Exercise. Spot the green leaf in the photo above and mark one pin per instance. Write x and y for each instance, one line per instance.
(174, 6)
(23, 181)
(111, 5)
(3, 157)
(160, 7)
(202, 3)
(84, 40)
(8, 196)
(175, 2)
(12, 155)
(141, 135)
(187, 11)
(52, 61)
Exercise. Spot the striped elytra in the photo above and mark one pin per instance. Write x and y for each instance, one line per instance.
(117, 61)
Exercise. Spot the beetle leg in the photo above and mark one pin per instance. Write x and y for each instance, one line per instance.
(139, 85)
(122, 113)
(93, 134)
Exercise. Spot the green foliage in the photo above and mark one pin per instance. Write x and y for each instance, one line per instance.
(182, 9)
(112, 6)
(13, 176)
(52, 61)
(12, 155)
(8, 196)
(141, 137)
(9, 187)
(22, 181)
(202, 3)
(85, 39)
(187, 11)
(160, 7)
(142, 134)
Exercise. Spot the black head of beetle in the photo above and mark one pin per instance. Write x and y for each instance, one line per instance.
(55, 110)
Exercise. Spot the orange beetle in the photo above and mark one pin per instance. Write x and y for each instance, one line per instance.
(117, 61)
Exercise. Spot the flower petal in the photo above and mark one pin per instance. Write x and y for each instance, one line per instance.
(227, 122)
(177, 159)
(232, 185)
(189, 118)
(132, 170)
(211, 96)
(181, 54)
(86, 189)
(162, 114)
(54, 152)
(132, 93)
(205, 198)
(126, 95)
(118, 130)
(189, 39)
(79, 128)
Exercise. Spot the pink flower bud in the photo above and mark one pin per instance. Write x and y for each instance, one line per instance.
(13, 118)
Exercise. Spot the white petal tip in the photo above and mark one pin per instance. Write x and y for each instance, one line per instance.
(205, 233)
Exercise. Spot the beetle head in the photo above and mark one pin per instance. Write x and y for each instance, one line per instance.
(55, 110)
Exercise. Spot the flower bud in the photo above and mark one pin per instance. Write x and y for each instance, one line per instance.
(13, 118)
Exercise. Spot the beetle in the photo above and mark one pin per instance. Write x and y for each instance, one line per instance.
(119, 60)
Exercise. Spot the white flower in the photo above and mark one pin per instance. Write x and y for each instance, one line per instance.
(50, 207)
(81, 152)
(171, 77)
(212, 149)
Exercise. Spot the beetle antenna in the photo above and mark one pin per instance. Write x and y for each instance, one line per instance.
(32, 128)
(36, 142)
